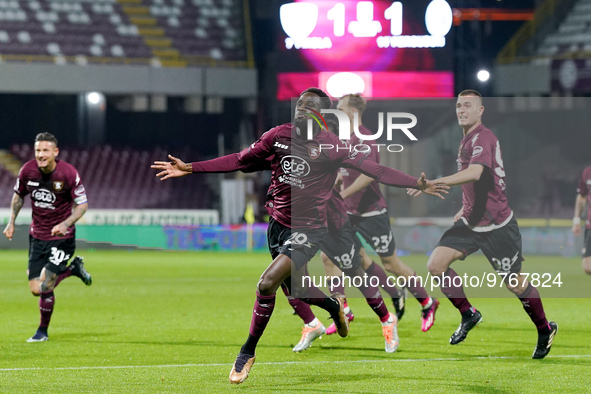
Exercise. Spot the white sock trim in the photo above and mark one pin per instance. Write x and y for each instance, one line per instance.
(313, 323)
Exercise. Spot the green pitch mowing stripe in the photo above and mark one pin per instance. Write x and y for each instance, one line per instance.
(420, 360)
(174, 321)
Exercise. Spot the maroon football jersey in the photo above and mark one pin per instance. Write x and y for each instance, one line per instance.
(303, 173)
(336, 211)
(584, 190)
(485, 202)
(370, 200)
(52, 196)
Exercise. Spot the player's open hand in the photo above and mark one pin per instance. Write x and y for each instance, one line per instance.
(171, 169)
(9, 231)
(59, 230)
(433, 188)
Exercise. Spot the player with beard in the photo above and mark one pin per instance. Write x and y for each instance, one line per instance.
(58, 200)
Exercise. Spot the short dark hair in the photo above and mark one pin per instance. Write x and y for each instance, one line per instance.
(356, 101)
(46, 137)
(325, 99)
(470, 92)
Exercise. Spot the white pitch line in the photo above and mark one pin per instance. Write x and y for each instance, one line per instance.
(291, 363)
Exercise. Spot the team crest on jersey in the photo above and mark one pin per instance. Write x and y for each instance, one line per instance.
(58, 185)
(313, 152)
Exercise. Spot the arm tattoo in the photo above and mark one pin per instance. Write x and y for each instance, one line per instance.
(77, 213)
(16, 205)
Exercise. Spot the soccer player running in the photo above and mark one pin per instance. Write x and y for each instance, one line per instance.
(368, 213)
(58, 200)
(342, 247)
(583, 193)
(303, 176)
(484, 222)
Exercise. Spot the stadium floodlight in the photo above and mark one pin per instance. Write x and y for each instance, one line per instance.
(94, 98)
(483, 75)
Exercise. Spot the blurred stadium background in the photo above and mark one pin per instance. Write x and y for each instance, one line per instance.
(122, 83)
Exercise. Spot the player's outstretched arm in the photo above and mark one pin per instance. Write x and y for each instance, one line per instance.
(15, 206)
(61, 229)
(172, 169)
(470, 174)
(393, 177)
(434, 188)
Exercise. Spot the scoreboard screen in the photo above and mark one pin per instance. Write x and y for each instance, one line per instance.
(365, 47)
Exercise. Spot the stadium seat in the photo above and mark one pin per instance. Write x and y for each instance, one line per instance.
(117, 178)
(572, 36)
(82, 30)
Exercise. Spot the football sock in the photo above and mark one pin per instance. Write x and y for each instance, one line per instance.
(427, 303)
(454, 293)
(469, 313)
(328, 304)
(374, 270)
(67, 273)
(389, 320)
(46, 303)
(532, 304)
(261, 314)
(375, 301)
(337, 289)
(302, 309)
(313, 323)
(415, 288)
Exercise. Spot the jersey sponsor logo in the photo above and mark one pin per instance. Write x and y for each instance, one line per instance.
(475, 138)
(58, 185)
(313, 152)
(43, 195)
(280, 145)
(30, 183)
(80, 191)
(295, 166)
(477, 151)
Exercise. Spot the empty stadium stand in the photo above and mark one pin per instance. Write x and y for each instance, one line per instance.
(175, 33)
(121, 179)
(573, 35)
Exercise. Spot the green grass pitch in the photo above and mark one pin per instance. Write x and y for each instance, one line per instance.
(174, 321)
